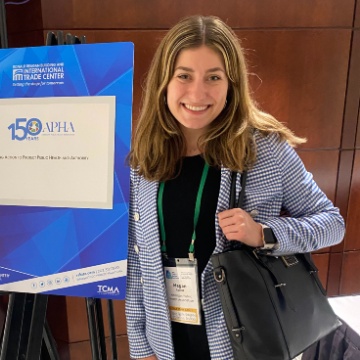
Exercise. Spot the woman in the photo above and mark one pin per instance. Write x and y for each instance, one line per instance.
(198, 123)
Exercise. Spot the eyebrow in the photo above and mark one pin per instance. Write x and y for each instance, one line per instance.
(184, 68)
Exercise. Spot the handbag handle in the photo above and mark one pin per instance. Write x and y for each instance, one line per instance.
(232, 202)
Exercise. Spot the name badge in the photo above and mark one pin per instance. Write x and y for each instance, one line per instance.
(181, 279)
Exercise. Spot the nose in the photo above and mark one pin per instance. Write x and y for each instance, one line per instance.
(197, 90)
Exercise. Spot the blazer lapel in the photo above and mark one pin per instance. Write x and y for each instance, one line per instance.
(148, 212)
(223, 204)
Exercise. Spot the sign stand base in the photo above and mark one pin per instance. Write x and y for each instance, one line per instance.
(96, 329)
(26, 328)
(26, 331)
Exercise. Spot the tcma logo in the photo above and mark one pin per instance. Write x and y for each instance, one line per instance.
(22, 127)
(108, 290)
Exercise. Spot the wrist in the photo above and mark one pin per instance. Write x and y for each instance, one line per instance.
(268, 238)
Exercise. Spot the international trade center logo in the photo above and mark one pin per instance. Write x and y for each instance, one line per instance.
(38, 74)
(18, 75)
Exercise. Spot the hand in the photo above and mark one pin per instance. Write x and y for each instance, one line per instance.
(237, 224)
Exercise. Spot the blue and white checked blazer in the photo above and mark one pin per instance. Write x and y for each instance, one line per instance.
(277, 181)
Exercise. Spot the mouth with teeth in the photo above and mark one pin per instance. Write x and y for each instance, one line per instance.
(195, 108)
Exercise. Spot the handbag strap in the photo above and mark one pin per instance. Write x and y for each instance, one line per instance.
(232, 202)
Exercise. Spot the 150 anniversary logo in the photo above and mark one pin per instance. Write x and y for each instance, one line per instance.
(30, 129)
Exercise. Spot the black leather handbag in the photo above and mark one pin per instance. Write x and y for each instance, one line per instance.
(274, 306)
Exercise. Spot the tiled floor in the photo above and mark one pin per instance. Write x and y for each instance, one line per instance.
(348, 309)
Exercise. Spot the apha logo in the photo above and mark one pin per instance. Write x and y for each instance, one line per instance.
(58, 127)
(108, 290)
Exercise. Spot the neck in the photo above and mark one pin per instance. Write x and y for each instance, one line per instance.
(190, 152)
(192, 138)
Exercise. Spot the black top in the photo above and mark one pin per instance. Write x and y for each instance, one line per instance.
(179, 199)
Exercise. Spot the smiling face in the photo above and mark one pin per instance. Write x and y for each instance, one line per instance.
(197, 91)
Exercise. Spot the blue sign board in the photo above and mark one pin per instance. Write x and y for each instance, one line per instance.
(65, 129)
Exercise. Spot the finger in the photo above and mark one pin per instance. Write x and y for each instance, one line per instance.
(236, 219)
(238, 227)
(234, 235)
(232, 229)
(225, 214)
(230, 222)
(229, 213)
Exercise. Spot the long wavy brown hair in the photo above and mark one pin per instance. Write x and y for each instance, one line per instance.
(158, 143)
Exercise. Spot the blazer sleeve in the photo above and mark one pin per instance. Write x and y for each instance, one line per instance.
(134, 308)
(313, 221)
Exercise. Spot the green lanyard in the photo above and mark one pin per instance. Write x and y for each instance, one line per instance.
(196, 213)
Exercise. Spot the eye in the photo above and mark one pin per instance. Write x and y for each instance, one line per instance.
(183, 76)
(214, 77)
